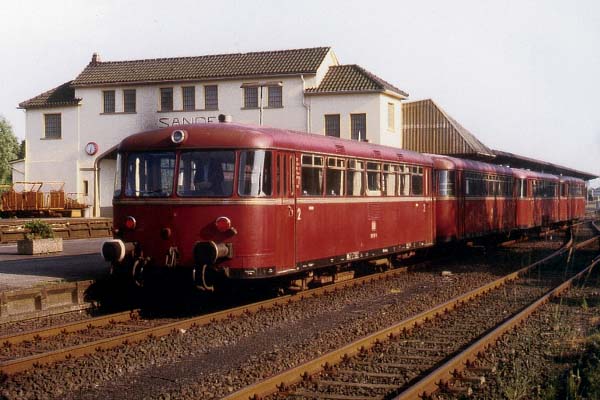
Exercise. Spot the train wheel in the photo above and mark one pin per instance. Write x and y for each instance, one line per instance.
(204, 278)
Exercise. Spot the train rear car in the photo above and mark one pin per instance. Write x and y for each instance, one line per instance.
(472, 199)
(537, 199)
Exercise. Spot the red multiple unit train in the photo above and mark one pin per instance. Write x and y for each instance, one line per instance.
(234, 202)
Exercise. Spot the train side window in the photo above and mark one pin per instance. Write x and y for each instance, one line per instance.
(521, 188)
(292, 172)
(284, 176)
(334, 180)
(446, 182)
(416, 181)
(475, 184)
(404, 180)
(373, 179)
(389, 179)
(312, 175)
(354, 182)
(254, 174)
(278, 162)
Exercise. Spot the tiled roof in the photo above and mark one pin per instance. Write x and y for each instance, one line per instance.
(282, 62)
(352, 78)
(63, 95)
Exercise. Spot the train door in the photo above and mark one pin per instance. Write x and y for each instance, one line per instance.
(567, 201)
(460, 201)
(287, 226)
(430, 207)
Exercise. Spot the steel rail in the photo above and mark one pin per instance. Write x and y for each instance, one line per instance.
(22, 364)
(67, 327)
(294, 375)
(445, 373)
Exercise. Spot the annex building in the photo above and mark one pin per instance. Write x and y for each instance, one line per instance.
(73, 129)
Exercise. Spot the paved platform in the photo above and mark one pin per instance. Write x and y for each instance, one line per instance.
(80, 260)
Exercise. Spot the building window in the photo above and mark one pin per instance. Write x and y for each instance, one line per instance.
(109, 101)
(332, 125)
(129, 100)
(189, 98)
(251, 97)
(275, 97)
(166, 99)
(52, 126)
(211, 97)
(391, 117)
(86, 188)
(358, 127)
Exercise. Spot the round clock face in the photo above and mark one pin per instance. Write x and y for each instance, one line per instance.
(91, 148)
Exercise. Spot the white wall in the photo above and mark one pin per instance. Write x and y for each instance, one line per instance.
(65, 159)
(18, 170)
(367, 103)
(390, 137)
(52, 159)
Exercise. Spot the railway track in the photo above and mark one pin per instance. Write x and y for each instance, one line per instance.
(442, 353)
(22, 351)
(25, 350)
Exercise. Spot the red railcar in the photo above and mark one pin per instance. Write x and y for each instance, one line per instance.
(472, 199)
(537, 199)
(572, 198)
(252, 202)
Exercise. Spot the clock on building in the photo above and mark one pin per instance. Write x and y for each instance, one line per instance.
(91, 148)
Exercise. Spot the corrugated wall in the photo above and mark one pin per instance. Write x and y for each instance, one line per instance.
(425, 129)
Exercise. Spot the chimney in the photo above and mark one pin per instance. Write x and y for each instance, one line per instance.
(95, 59)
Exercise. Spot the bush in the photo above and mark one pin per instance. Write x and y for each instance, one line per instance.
(38, 230)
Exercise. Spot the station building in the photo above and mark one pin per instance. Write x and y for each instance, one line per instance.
(73, 129)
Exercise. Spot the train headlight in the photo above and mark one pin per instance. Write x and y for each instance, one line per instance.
(130, 223)
(223, 224)
(178, 136)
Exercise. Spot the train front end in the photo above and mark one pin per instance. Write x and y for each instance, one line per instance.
(176, 208)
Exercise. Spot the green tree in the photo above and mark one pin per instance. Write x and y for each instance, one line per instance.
(21, 154)
(9, 150)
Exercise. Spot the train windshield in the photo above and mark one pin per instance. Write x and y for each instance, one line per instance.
(206, 173)
(150, 174)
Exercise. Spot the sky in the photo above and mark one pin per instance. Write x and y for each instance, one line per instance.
(523, 76)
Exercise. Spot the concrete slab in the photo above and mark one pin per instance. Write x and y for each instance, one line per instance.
(80, 260)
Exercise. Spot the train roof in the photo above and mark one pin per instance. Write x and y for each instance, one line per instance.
(446, 162)
(571, 179)
(524, 174)
(238, 136)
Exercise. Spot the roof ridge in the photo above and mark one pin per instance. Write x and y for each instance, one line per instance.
(212, 55)
(466, 134)
(380, 81)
